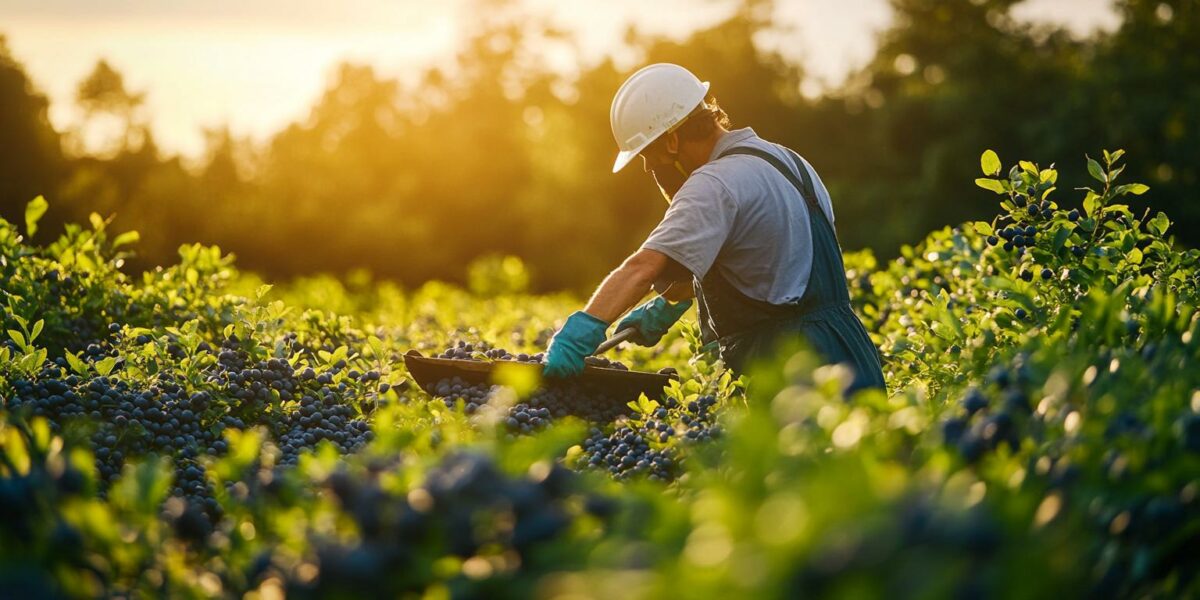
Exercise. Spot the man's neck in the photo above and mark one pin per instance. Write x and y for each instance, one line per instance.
(712, 142)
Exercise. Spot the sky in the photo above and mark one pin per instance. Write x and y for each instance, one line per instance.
(258, 65)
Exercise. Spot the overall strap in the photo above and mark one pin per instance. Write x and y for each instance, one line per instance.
(803, 185)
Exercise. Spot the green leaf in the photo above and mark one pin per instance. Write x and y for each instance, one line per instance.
(37, 329)
(1096, 171)
(1159, 223)
(33, 213)
(1029, 167)
(983, 227)
(377, 348)
(524, 379)
(990, 184)
(1135, 256)
(1137, 189)
(129, 237)
(990, 163)
(16, 450)
(142, 486)
(262, 291)
(77, 365)
(1090, 202)
(104, 367)
(17, 337)
(1115, 156)
(1060, 238)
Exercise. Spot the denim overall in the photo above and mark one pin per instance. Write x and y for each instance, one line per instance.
(747, 329)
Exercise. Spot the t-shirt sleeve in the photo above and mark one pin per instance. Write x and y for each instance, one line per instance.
(696, 225)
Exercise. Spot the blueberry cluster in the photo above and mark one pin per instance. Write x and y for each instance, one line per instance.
(1016, 237)
(464, 505)
(455, 390)
(629, 449)
(467, 351)
(318, 420)
(163, 417)
(193, 487)
(576, 399)
(553, 400)
(256, 384)
(986, 424)
(601, 361)
(699, 419)
(523, 418)
(626, 452)
(322, 412)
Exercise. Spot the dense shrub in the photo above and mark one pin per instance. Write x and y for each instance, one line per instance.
(193, 432)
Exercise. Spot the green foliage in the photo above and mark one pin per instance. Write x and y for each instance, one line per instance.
(1040, 435)
(380, 169)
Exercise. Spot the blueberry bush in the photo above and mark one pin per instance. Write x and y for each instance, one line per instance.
(195, 432)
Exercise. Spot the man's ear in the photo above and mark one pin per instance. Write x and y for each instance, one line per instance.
(672, 140)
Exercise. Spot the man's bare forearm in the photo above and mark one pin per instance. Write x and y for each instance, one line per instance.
(625, 286)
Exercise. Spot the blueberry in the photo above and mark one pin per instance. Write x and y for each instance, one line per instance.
(974, 400)
(953, 429)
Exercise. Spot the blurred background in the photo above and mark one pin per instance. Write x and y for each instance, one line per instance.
(409, 139)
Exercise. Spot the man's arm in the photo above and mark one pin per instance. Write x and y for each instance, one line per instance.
(627, 284)
(679, 291)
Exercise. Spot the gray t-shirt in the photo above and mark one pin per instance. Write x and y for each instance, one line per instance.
(742, 216)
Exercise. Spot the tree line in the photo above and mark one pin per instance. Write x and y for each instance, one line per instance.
(501, 155)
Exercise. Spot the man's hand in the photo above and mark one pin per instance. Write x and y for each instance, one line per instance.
(577, 340)
(653, 319)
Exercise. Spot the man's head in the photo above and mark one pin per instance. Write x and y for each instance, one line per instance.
(660, 114)
(672, 157)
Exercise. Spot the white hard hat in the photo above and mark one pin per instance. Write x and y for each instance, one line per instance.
(649, 104)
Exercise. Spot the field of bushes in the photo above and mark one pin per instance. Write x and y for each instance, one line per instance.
(193, 431)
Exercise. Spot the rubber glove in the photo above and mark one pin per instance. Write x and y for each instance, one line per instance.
(653, 319)
(577, 340)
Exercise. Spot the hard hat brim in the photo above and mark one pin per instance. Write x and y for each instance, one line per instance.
(623, 158)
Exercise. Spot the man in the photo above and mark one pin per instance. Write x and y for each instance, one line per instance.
(748, 221)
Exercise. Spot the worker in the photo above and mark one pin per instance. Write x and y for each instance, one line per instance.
(748, 233)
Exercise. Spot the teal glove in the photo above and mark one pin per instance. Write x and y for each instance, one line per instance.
(577, 340)
(653, 319)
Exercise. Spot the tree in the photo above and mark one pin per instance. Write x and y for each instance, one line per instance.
(103, 94)
(31, 162)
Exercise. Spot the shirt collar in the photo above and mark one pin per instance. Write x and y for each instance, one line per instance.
(730, 140)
